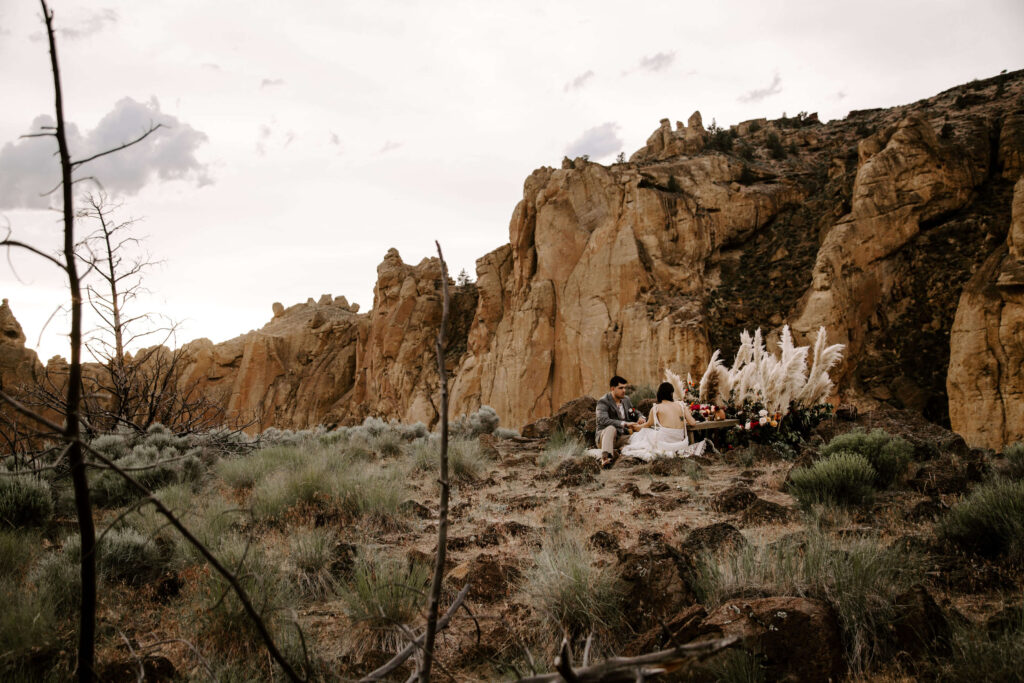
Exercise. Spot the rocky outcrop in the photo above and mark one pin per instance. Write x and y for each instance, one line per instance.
(986, 370)
(882, 227)
(19, 366)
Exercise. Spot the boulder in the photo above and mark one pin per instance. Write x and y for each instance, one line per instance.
(733, 499)
(713, 538)
(490, 577)
(920, 627)
(656, 579)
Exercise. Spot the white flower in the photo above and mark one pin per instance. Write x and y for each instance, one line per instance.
(763, 413)
(763, 421)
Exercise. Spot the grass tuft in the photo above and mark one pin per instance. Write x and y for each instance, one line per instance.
(313, 552)
(561, 446)
(1014, 454)
(570, 591)
(383, 592)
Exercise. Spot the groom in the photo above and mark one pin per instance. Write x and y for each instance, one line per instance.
(616, 420)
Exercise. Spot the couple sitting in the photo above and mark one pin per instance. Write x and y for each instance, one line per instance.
(661, 435)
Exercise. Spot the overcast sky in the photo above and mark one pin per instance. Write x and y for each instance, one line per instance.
(304, 139)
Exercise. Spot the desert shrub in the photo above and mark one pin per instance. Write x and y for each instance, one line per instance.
(388, 443)
(888, 455)
(25, 500)
(114, 445)
(160, 437)
(990, 521)
(569, 590)
(641, 392)
(372, 493)
(561, 446)
(57, 575)
(1014, 455)
(244, 471)
(384, 591)
(841, 479)
(313, 552)
(859, 576)
(466, 461)
(483, 421)
(28, 627)
(506, 433)
(17, 551)
(774, 144)
(147, 464)
(126, 555)
(982, 655)
(220, 620)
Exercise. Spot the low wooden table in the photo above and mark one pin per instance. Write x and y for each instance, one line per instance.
(712, 424)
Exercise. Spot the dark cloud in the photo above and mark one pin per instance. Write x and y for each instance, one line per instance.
(657, 62)
(92, 23)
(759, 94)
(271, 82)
(579, 81)
(28, 166)
(597, 142)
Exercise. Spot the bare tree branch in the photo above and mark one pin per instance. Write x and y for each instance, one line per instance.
(442, 521)
(152, 128)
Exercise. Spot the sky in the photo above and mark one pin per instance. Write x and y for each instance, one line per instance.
(300, 141)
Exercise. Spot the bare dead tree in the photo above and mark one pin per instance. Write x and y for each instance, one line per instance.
(442, 515)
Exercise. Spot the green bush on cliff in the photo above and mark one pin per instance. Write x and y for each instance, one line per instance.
(1014, 454)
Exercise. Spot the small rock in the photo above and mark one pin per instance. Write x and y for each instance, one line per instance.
(415, 509)
(713, 538)
(762, 512)
(605, 540)
(577, 471)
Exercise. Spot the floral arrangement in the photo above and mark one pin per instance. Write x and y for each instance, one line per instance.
(775, 397)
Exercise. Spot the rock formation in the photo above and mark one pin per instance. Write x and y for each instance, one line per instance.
(883, 227)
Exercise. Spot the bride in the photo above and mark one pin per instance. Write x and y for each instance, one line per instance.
(665, 434)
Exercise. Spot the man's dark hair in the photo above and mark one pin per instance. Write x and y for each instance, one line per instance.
(665, 391)
(616, 381)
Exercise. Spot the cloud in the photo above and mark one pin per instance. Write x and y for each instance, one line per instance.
(759, 94)
(28, 166)
(841, 95)
(389, 146)
(271, 82)
(90, 24)
(579, 81)
(658, 62)
(597, 142)
(211, 66)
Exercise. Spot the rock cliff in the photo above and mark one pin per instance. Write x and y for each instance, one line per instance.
(899, 230)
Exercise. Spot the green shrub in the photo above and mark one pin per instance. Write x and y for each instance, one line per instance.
(888, 455)
(990, 521)
(383, 592)
(387, 443)
(561, 446)
(25, 500)
(842, 478)
(570, 591)
(859, 576)
(1014, 455)
(314, 552)
(244, 471)
(114, 445)
(774, 145)
(161, 438)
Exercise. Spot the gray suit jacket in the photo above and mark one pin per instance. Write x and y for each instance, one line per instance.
(608, 416)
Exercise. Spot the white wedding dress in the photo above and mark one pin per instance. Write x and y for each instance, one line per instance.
(652, 443)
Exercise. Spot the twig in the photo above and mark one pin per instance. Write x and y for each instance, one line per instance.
(628, 668)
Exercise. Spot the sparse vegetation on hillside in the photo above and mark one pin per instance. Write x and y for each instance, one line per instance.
(843, 478)
(990, 521)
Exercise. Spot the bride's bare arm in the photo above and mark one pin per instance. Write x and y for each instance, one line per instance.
(687, 415)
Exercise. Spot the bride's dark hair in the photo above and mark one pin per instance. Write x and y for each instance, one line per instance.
(665, 391)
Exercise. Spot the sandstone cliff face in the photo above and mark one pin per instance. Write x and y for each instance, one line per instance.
(986, 370)
(19, 366)
(883, 227)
